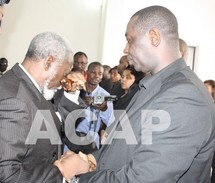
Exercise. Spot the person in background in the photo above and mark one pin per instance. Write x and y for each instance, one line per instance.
(106, 82)
(29, 127)
(183, 49)
(80, 63)
(116, 73)
(116, 80)
(167, 133)
(2, 2)
(210, 85)
(130, 85)
(3, 65)
(123, 63)
(101, 109)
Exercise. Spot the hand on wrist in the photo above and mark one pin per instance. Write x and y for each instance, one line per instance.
(90, 159)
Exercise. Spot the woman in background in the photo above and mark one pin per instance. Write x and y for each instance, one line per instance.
(116, 80)
(130, 85)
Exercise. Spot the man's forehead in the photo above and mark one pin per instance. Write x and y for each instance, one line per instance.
(128, 30)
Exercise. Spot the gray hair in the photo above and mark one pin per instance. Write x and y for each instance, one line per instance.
(157, 17)
(49, 44)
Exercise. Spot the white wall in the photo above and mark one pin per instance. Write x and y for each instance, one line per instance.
(196, 27)
(74, 19)
(100, 31)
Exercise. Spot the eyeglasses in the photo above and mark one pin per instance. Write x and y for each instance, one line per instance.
(82, 63)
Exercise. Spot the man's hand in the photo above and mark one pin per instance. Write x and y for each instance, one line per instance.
(71, 164)
(74, 81)
(90, 159)
(101, 107)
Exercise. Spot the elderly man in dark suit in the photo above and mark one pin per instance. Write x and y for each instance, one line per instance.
(29, 128)
(168, 132)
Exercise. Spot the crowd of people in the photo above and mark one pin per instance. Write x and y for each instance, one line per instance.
(147, 119)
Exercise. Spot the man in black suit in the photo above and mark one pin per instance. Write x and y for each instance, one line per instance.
(29, 127)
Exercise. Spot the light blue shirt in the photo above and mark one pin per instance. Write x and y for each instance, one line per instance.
(88, 124)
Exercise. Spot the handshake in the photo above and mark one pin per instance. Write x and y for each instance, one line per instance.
(71, 164)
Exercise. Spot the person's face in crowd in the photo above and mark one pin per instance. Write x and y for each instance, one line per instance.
(127, 79)
(1, 15)
(80, 63)
(122, 65)
(94, 75)
(139, 48)
(3, 66)
(106, 74)
(55, 74)
(115, 76)
(209, 88)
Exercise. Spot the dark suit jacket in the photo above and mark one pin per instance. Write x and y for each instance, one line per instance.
(20, 101)
(180, 150)
(107, 84)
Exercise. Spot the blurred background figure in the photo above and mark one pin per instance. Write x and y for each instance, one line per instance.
(183, 49)
(123, 63)
(116, 80)
(106, 82)
(210, 84)
(2, 2)
(3, 65)
(80, 63)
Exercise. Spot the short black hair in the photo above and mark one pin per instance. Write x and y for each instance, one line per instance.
(113, 68)
(137, 74)
(92, 64)
(3, 60)
(80, 53)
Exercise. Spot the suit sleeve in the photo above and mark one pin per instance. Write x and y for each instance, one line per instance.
(174, 149)
(20, 162)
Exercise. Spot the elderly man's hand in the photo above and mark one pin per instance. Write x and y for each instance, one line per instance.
(71, 164)
(74, 81)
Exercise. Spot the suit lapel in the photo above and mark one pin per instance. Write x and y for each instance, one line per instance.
(28, 89)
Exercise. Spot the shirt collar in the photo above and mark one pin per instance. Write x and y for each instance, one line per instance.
(31, 78)
(162, 74)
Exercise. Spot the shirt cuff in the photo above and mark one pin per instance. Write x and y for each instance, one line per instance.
(73, 97)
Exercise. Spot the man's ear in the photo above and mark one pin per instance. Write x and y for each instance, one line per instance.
(47, 62)
(154, 37)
